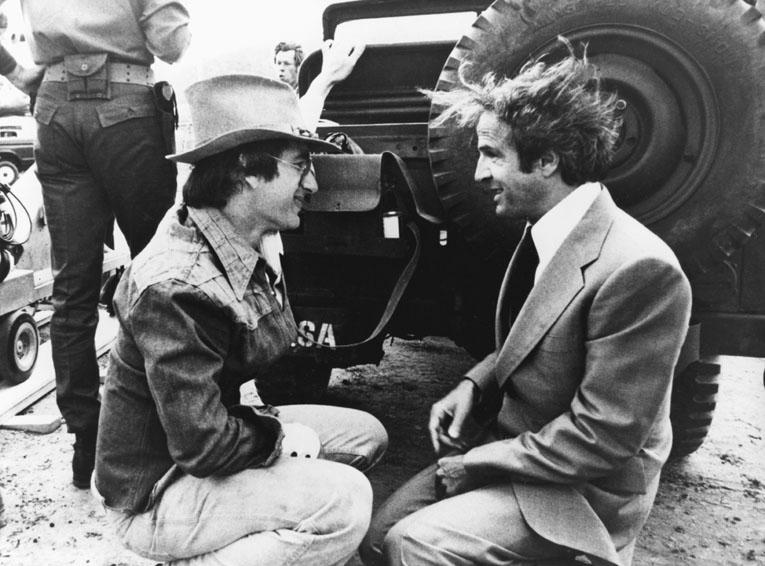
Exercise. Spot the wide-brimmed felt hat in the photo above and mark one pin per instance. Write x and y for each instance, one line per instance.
(230, 110)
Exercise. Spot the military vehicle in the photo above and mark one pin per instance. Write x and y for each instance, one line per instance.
(399, 243)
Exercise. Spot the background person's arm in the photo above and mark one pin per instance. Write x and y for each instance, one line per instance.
(165, 24)
(23, 78)
(338, 60)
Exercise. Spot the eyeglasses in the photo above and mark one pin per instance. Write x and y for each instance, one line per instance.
(304, 168)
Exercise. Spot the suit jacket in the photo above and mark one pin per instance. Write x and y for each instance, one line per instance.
(580, 387)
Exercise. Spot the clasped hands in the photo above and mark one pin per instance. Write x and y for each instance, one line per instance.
(453, 431)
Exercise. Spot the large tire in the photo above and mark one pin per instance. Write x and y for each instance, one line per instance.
(694, 398)
(294, 380)
(689, 164)
(19, 345)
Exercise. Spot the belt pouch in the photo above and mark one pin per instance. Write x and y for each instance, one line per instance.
(164, 99)
(87, 76)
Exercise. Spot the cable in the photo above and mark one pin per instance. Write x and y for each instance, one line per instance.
(9, 220)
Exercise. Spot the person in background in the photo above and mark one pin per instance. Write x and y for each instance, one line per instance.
(338, 61)
(100, 152)
(551, 447)
(287, 59)
(210, 480)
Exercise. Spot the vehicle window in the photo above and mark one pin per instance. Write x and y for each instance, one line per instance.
(406, 29)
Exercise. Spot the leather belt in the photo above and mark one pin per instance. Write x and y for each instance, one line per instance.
(118, 73)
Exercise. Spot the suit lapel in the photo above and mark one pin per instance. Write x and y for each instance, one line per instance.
(558, 284)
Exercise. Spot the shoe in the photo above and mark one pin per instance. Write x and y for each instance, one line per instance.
(84, 459)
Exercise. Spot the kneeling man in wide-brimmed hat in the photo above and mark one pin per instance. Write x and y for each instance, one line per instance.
(187, 473)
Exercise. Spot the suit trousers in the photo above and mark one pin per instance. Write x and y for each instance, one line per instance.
(483, 526)
(97, 160)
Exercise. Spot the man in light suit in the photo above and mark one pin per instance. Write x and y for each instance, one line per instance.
(551, 447)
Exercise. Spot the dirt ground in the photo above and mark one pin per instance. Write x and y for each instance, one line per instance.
(710, 509)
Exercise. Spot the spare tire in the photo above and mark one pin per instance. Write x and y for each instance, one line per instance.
(690, 163)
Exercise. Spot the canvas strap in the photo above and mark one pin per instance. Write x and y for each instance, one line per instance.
(393, 301)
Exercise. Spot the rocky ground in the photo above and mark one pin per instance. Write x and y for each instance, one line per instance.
(710, 509)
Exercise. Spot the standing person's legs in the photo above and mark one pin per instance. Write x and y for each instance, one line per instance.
(296, 511)
(78, 215)
(93, 157)
(484, 526)
(127, 157)
(348, 436)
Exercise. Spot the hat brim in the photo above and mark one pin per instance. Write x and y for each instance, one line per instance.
(232, 139)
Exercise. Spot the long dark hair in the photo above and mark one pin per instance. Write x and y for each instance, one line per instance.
(214, 179)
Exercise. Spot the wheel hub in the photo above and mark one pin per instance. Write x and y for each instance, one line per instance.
(670, 116)
(24, 349)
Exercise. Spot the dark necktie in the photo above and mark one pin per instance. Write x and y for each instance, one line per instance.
(522, 277)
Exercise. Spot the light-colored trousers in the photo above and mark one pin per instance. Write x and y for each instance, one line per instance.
(483, 526)
(296, 511)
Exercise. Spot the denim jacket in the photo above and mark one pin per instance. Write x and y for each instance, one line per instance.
(198, 317)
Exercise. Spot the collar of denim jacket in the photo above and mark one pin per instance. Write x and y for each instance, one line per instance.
(237, 257)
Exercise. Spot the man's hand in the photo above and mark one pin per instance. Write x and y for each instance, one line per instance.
(26, 79)
(452, 477)
(451, 426)
(338, 60)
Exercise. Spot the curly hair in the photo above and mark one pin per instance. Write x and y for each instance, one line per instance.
(286, 46)
(549, 107)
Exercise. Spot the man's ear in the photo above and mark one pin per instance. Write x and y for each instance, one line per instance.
(547, 164)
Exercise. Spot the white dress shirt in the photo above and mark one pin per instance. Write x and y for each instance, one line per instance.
(551, 230)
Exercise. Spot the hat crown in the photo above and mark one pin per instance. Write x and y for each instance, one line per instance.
(231, 110)
(229, 103)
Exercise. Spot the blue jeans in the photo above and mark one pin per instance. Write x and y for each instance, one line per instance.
(296, 511)
(97, 160)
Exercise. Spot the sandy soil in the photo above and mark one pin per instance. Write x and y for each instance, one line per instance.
(710, 509)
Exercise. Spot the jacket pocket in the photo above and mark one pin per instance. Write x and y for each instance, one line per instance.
(257, 307)
(126, 108)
